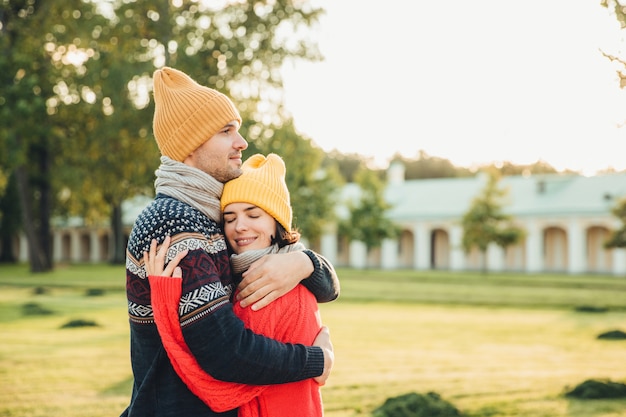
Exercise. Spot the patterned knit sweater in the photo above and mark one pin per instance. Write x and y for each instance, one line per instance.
(215, 336)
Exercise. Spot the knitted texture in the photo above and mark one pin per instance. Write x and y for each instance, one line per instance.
(186, 114)
(293, 318)
(214, 335)
(262, 184)
(191, 186)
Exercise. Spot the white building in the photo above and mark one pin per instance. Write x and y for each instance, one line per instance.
(567, 219)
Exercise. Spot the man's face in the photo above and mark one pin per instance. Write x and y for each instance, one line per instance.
(220, 156)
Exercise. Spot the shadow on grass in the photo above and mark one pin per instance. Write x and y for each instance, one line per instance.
(35, 309)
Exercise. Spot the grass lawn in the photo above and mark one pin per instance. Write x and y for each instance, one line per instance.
(494, 345)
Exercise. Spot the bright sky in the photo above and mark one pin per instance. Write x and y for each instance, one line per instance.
(469, 81)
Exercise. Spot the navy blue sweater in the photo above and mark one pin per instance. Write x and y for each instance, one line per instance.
(215, 335)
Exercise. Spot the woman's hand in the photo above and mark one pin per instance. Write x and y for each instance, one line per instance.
(155, 261)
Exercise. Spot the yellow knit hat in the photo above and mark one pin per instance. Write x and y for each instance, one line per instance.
(187, 114)
(262, 183)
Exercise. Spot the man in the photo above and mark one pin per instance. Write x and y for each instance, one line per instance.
(197, 130)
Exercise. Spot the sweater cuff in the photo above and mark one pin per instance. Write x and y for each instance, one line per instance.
(317, 266)
(167, 287)
(315, 362)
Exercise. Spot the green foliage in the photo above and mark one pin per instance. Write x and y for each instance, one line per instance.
(75, 108)
(35, 309)
(29, 76)
(313, 189)
(368, 222)
(348, 165)
(590, 309)
(94, 292)
(617, 239)
(417, 405)
(485, 222)
(593, 389)
(426, 166)
(79, 323)
(612, 335)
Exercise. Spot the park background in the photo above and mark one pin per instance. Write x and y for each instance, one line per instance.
(75, 142)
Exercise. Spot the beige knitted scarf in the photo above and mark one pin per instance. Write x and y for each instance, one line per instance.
(190, 185)
(242, 262)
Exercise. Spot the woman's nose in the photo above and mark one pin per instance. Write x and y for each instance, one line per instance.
(240, 225)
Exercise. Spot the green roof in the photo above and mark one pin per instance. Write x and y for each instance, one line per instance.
(539, 195)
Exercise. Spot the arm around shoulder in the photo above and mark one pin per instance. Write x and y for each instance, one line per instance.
(323, 282)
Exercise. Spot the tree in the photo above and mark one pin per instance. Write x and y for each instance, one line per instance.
(313, 189)
(29, 69)
(368, 222)
(618, 237)
(111, 157)
(348, 165)
(237, 48)
(10, 221)
(485, 222)
(426, 166)
(75, 109)
(617, 8)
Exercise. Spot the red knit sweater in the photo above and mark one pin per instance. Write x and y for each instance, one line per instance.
(293, 318)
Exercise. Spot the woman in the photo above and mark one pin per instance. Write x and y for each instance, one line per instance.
(257, 221)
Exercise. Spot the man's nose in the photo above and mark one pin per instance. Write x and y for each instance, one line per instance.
(240, 142)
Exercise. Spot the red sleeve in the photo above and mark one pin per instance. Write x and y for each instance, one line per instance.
(220, 396)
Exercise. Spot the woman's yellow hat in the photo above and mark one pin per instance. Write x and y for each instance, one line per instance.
(262, 183)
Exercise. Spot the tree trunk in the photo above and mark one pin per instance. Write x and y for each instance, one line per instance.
(10, 223)
(45, 203)
(119, 240)
(484, 266)
(37, 257)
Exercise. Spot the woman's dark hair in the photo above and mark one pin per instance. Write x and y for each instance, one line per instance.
(283, 237)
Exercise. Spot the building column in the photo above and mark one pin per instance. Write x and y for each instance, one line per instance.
(94, 254)
(495, 257)
(457, 255)
(534, 247)
(358, 254)
(328, 246)
(619, 261)
(389, 254)
(57, 245)
(23, 255)
(421, 247)
(74, 246)
(576, 254)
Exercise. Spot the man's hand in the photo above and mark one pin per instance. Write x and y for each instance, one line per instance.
(271, 277)
(323, 340)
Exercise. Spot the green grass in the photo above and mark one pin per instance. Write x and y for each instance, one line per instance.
(494, 345)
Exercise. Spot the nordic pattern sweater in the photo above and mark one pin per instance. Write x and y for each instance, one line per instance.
(215, 336)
